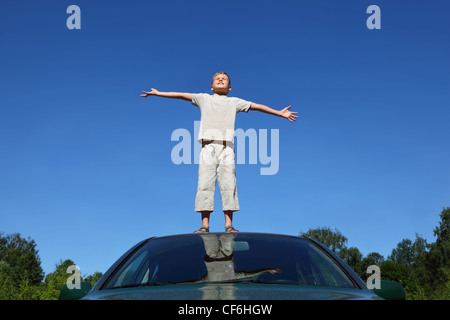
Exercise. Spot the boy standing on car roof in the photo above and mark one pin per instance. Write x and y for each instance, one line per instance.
(216, 134)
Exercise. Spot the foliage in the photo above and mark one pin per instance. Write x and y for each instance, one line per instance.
(422, 269)
(332, 239)
(55, 280)
(94, 278)
(20, 268)
(21, 275)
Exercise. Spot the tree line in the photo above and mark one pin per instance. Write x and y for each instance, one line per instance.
(422, 268)
(21, 274)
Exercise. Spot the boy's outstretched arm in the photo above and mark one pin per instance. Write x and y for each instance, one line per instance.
(284, 113)
(173, 95)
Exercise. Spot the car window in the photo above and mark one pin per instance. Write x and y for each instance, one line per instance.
(133, 269)
(229, 258)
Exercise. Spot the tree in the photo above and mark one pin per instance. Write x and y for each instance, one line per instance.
(407, 252)
(394, 271)
(437, 281)
(353, 257)
(20, 267)
(94, 277)
(372, 259)
(334, 240)
(56, 280)
(442, 233)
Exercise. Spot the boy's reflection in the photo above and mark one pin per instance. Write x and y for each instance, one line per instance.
(219, 262)
(219, 257)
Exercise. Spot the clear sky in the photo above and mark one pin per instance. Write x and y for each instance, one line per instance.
(85, 162)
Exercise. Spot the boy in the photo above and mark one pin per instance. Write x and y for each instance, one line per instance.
(218, 114)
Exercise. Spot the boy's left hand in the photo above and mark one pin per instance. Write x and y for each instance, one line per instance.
(290, 115)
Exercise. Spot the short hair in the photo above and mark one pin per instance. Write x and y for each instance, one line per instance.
(221, 72)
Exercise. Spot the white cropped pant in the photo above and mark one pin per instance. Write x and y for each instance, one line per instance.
(217, 161)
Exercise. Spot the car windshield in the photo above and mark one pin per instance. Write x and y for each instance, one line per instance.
(228, 257)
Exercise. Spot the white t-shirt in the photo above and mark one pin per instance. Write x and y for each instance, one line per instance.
(218, 115)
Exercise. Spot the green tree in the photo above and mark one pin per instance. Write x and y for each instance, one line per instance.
(394, 271)
(407, 252)
(94, 277)
(437, 282)
(334, 240)
(442, 233)
(337, 243)
(20, 267)
(353, 257)
(55, 280)
(422, 269)
(405, 265)
(372, 259)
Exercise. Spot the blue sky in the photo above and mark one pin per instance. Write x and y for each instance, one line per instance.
(85, 166)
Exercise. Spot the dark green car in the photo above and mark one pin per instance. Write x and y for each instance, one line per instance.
(230, 266)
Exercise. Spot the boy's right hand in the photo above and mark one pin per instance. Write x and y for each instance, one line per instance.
(154, 92)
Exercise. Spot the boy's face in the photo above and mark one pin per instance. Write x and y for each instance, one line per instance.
(221, 84)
